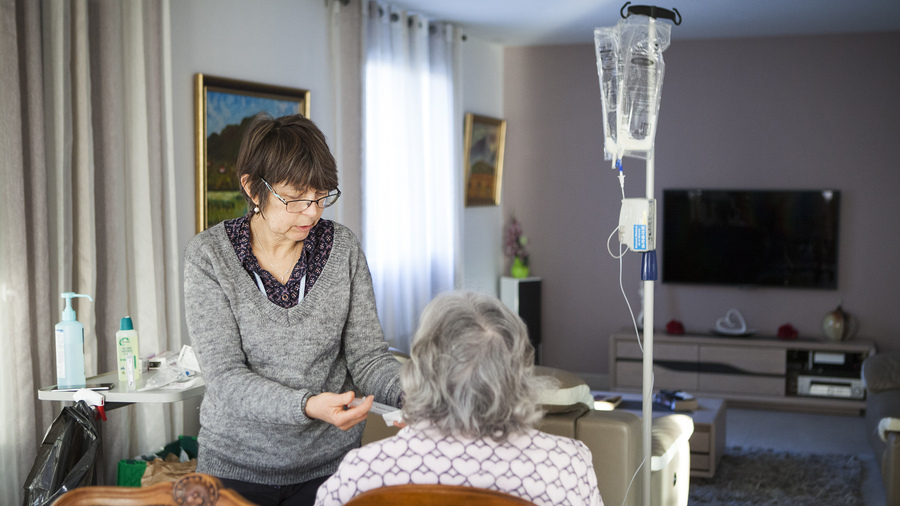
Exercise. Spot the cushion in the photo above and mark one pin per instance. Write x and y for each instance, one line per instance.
(571, 394)
(888, 425)
(882, 372)
(668, 434)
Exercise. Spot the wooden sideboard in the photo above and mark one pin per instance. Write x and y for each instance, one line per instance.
(760, 372)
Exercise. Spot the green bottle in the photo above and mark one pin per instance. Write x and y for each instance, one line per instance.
(128, 352)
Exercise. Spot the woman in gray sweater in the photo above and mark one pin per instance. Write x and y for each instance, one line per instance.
(281, 312)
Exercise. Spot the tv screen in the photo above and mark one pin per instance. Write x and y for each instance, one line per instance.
(751, 237)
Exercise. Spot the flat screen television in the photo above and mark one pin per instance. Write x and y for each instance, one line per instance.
(765, 238)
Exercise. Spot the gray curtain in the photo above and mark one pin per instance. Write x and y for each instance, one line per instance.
(87, 170)
(24, 247)
(345, 52)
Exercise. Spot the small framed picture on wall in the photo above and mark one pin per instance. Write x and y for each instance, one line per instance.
(224, 108)
(484, 142)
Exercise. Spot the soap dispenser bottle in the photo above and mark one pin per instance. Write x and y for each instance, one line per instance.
(127, 351)
(70, 346)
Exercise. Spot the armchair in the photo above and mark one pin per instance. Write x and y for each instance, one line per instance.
(434, 495)
(881, 377)
(191, 489)
(614, 438)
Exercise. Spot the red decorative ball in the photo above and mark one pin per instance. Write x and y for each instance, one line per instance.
(675, 328)
(787, 331)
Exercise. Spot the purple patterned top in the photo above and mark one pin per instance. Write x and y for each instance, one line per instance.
(316, 249)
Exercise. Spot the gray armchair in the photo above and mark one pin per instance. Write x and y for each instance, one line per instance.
(614, 438)
(881, 376)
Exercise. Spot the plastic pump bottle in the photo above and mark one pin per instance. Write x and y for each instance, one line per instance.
(127, 352)
(70, 346)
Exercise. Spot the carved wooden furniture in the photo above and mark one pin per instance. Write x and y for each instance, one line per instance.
(194, 489)
(434, 495)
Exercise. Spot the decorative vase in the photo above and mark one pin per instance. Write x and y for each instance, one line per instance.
(519, 269)
(838, 325)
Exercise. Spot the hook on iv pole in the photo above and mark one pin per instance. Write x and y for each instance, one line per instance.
(652, 11)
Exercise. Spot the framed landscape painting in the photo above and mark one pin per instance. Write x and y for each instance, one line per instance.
(224, 108)
(484, 142)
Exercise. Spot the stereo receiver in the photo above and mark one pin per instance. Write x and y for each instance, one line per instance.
(825, 386)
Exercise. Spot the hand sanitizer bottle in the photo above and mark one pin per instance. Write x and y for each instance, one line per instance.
(127, 352)
(70, 346)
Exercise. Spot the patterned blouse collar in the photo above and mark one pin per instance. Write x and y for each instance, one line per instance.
(316, 250)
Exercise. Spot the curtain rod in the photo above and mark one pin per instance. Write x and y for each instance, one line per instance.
(463, 36)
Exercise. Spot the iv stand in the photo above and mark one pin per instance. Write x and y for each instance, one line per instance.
(647, 369)
(648, 286)
(647, 380)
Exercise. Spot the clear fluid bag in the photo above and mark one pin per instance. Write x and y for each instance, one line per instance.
(608, 67)
(631, 69)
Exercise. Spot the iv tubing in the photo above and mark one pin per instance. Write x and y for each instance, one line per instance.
(627, 303)
(621, 176)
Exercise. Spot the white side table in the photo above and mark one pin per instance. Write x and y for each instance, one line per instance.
(119, 395)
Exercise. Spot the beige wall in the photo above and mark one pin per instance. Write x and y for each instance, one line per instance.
(482, 226)
(802, 112)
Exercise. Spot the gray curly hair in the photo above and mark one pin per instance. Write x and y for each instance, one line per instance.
(471, 371)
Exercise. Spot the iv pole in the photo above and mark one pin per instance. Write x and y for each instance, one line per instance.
(647, 378)
(648, 286)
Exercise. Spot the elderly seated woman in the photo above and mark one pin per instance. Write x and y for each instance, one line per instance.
(470, 407)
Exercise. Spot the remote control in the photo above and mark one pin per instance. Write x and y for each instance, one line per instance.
(389, 413)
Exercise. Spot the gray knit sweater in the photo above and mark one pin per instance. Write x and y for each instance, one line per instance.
(262, 362)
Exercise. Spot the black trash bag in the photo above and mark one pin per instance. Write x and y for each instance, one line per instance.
(67, 457)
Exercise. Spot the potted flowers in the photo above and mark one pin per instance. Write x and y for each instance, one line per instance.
(514, 247)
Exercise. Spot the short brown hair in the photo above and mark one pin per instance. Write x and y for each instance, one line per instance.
(290, 150)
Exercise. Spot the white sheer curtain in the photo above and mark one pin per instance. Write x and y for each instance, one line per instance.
(411, 171)
(87, 170)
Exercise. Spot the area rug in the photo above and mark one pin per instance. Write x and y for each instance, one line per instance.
(753, 476)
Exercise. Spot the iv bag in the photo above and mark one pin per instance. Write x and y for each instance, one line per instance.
(632, 85)
(608, 67)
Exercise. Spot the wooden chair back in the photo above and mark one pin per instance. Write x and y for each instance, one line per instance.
(195, 489)
(434, 495)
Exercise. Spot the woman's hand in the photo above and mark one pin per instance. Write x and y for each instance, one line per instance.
(333, 408)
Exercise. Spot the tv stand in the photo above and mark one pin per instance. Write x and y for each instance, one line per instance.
(758, 372)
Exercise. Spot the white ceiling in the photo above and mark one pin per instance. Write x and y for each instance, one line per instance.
(544, 22)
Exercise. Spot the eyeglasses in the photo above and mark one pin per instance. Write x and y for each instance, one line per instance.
(300, 205)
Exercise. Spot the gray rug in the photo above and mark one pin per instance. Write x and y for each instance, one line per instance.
(752, 476)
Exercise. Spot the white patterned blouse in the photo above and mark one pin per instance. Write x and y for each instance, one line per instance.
(539, 467)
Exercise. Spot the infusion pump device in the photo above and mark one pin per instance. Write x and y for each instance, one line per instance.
(637, 224)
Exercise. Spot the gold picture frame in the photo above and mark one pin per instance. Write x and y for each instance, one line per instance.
(223, 109)
(485, 138)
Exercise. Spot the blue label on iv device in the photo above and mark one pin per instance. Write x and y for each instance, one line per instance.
(640, 237)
